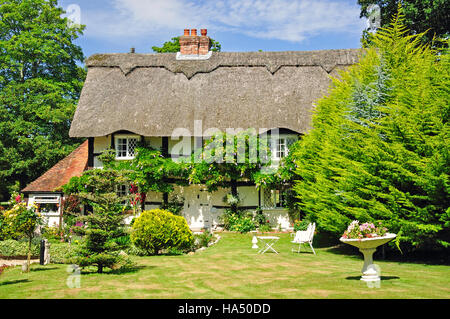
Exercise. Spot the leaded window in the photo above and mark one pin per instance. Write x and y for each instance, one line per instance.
(126, 147)
(272, 198)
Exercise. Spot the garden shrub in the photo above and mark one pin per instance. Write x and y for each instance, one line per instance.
(8, 227)
(51, 232)
(156, 230)
(243, 224)
(135, 251)
(261, 221)
(61, 253)
(100, 245)
(18, 248)
(264, 228)
(241, 221)
(203, 239)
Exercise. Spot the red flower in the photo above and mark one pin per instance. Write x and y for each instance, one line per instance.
(18, 198)
(133, 188)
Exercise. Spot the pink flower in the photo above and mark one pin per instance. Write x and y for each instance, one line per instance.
(18, 198)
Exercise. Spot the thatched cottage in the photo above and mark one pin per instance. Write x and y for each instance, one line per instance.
(160, 97)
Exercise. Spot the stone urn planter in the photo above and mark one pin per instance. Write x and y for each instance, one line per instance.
(367, 246)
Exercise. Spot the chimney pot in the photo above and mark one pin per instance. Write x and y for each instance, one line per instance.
(194, 45)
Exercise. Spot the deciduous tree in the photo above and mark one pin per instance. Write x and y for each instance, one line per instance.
(40, 82)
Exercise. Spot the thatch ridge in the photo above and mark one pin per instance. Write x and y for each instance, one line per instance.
(127, 62)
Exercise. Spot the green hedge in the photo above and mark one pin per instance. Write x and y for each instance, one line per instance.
(15, 248)
(59, 252)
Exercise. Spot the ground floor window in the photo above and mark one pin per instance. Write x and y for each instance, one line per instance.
(126, 147)
(47, 204)
(122, 190)
(272, 198)
(48, 208)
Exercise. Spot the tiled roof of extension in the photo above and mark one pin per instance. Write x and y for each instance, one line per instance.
(73, 165)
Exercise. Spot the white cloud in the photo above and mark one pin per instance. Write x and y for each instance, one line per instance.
(270, 19)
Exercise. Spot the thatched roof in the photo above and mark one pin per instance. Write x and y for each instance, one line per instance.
(153, 94)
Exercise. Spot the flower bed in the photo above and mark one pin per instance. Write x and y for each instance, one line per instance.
(3, 267)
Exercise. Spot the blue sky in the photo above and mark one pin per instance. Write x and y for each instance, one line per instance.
(239, 25)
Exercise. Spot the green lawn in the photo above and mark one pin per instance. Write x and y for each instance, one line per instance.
(231, 269)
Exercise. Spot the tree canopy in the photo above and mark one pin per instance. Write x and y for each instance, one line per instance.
(419, 15)
(40, 83)
(173, 46)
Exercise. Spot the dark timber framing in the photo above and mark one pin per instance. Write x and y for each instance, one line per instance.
(90, 162)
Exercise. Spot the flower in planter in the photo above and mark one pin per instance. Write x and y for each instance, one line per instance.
(366, 230)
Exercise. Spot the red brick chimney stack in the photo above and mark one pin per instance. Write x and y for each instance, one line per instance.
(205, 43)
(192, 44)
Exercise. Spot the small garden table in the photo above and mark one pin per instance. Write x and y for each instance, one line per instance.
(268, 241)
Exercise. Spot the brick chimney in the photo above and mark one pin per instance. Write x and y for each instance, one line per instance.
(193, 45)
(205, 43)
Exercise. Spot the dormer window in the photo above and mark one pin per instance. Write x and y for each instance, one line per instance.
(126, 147)
(281, 148)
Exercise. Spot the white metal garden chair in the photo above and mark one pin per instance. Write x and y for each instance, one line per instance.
(304, 237)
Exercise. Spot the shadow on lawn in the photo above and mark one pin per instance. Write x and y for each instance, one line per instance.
(392, 255)
(381, 277)
(123, 270)
(131, 269)
(12, 282)
(43, 268)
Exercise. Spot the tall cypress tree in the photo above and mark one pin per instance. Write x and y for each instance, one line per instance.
(380, 144)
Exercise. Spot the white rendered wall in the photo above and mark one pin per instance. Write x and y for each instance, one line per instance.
(199, 205)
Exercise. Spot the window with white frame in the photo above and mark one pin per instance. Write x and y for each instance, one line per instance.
(122, 190)
(272, 198)
(126, 147)
(280, 146)
(281, 149)
(47, 204)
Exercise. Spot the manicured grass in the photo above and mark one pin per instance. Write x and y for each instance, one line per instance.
(232, 269)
